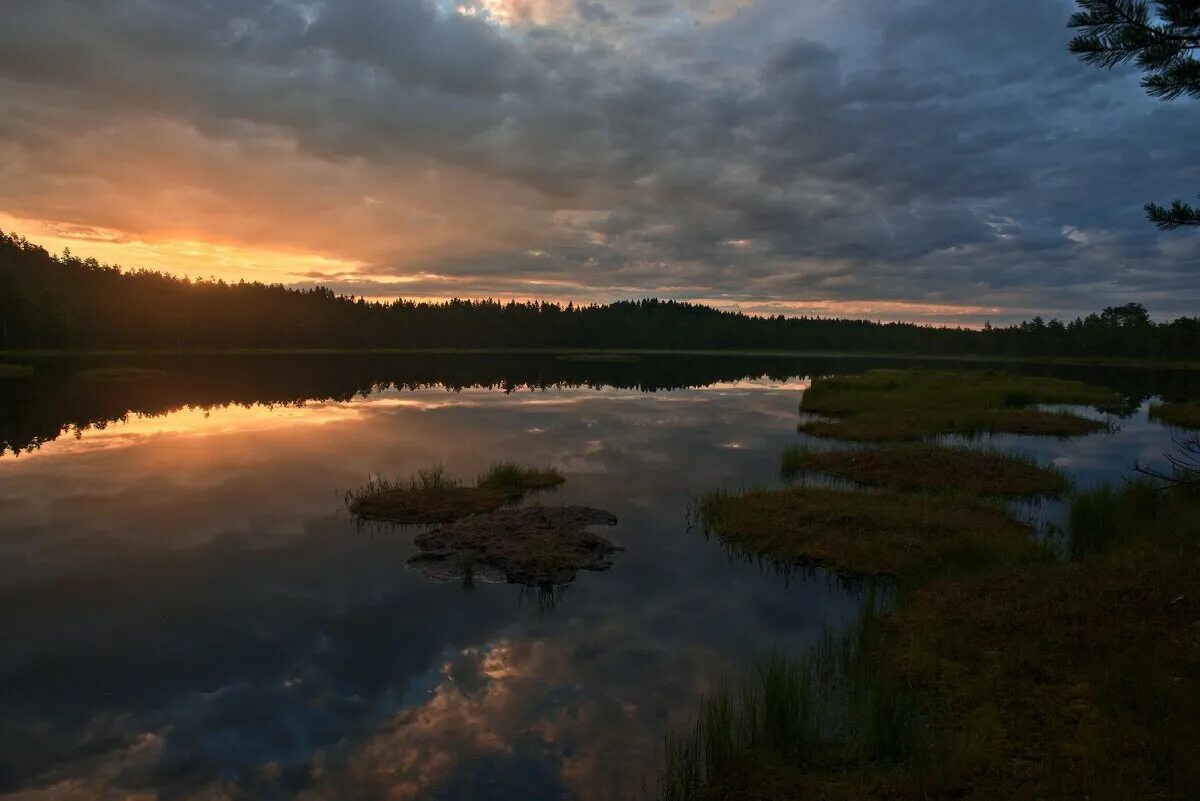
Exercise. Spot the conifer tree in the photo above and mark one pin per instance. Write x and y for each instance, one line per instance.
(1161, 38)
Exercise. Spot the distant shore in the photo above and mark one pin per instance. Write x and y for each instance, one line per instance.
(8, 355)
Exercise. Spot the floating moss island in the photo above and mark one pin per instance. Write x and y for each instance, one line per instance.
(534, 545)
(482, 533)
(884, 405)
(430, 496)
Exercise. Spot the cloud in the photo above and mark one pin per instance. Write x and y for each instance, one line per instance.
(870, 150)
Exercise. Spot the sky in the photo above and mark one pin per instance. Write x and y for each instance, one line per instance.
(947, 163)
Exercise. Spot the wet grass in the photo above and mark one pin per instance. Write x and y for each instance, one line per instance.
(884, 405)
(431, 496)
(15, 371)
(1027, 678)
(1180, 415)
(795, 722)
(1079, 679)
(924, 467)
(517, 479)
(905, 535)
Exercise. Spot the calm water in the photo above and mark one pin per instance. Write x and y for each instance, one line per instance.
(185, 608)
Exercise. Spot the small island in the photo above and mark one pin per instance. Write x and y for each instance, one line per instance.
(484, 532)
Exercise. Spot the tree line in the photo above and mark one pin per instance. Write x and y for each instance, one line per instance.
(64, 302)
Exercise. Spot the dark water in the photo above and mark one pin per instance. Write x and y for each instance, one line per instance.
(187, 612)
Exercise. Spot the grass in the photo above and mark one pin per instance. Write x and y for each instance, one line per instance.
(1078, 679)
(516, 479)
(914, 467)
(15, 371)
(884, 405)
(885, 533)
(430, 496)
(1180, 415)
(1030, 679)
(795, 722)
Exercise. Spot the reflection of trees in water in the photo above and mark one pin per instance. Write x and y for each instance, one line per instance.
(56, 400)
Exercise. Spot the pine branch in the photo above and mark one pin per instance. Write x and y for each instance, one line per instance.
(1180, 214)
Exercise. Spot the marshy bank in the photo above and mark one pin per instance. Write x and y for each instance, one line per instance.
(883, 405)
(1000, 669)
(923, 467)
(1180, 415)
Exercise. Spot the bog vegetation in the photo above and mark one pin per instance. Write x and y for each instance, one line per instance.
(1002, 667)
(913, 467)
(431, 496)
(884, 405)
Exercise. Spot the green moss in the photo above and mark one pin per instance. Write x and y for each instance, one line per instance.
(906, 535)
(921, 467)
(430, 496)
(1180, 415)
(882, 405)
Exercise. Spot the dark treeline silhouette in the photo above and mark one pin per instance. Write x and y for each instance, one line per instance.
(60, 398)
(64, 302)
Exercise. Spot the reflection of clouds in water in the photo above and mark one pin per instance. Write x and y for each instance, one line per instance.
(200, 583)
(1097, 458)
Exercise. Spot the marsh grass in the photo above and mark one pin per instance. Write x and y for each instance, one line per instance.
(1180, 415)
(831, 710)
(907, 535)
(1073, 678)
(914, 467)
(517, 479)
(431, 496)
(887, 405)
(15, 371)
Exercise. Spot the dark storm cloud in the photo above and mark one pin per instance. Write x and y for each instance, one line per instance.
(767, 151)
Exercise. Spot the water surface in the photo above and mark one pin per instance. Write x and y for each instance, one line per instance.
(187, 610)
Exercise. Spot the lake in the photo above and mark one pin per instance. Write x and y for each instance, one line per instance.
(187, 609)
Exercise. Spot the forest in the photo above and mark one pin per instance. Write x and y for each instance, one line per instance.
(64, 302)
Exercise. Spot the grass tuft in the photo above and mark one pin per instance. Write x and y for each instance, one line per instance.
(517, 479)
(830, 711)
(430, 496)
